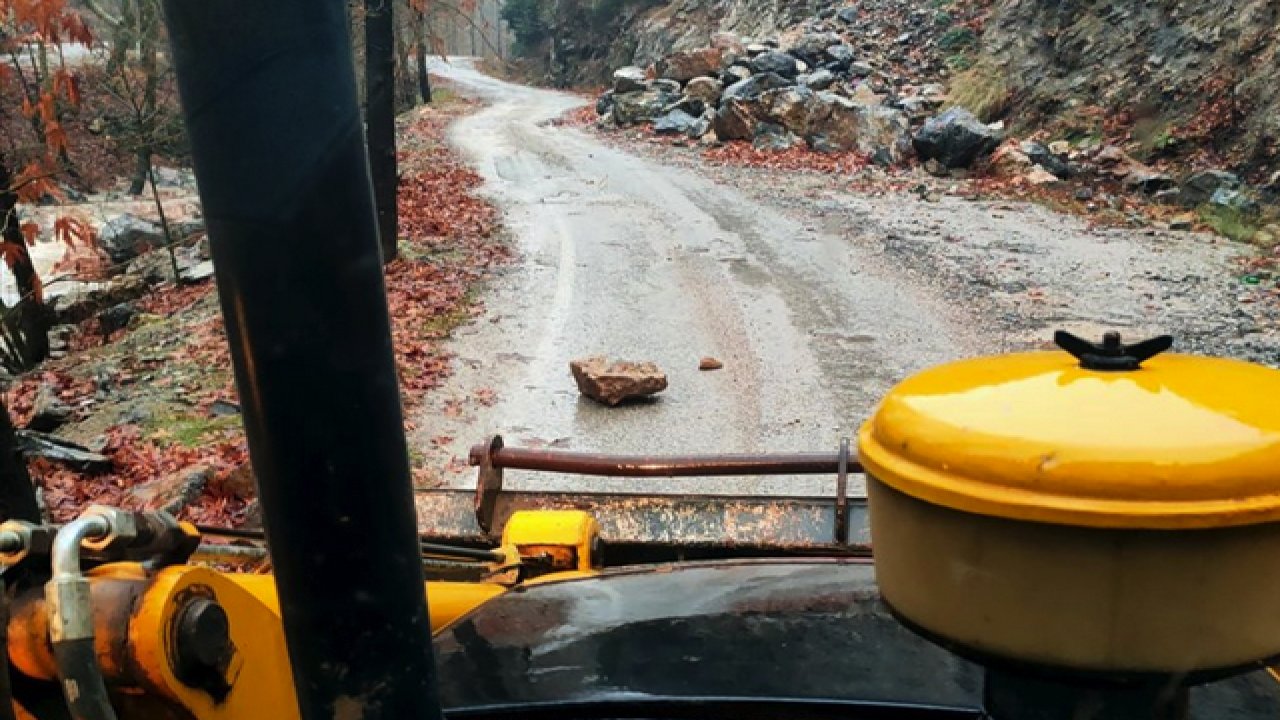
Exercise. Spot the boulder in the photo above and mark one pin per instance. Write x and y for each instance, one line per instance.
(1200, 187)
(171, 493)
(1148, 180)
(839, 55)
(629, 79)
(611, 383)
(775, 63)
(1009, 161)
(116, 317)
(638, 107)
(690, 105)
(753, 87)
(842, 124)
(728, 42)
(667, 86)
(127, 236)
(1038, 175)
(1040, 155)
(735, 74)
(685, 66)
(819, 79)
(735, 120)
(705, 89)
(675, 122)
(774, 137)
(701, 126)
(604, 103)
(955, 138)
(48, 411)
(812, 47)
(794, 108)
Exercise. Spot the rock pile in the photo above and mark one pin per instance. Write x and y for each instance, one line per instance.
(811, 91)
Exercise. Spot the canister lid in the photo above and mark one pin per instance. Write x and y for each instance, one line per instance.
(1102, 436)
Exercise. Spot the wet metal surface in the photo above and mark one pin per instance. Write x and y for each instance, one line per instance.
(765, 629)
(784, 523)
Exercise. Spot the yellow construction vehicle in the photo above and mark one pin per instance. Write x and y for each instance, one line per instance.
(1088, 533)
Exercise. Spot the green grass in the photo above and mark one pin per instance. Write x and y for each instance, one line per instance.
(190, 432)
(1230, 222)
(982, 90)
(957, 39)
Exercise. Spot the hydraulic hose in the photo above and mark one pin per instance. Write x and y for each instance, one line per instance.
(71, 622)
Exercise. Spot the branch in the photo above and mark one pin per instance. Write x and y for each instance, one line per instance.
(102, 13)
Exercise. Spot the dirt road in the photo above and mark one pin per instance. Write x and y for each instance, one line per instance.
(816, 300)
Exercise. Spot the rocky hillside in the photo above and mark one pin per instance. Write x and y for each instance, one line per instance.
(1177, 86)
(1184, 78)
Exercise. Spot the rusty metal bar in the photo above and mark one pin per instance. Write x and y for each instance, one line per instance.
(582, 463)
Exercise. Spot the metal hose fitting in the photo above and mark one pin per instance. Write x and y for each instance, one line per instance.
(71, 621)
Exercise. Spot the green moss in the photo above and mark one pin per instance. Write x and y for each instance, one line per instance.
(959, 62)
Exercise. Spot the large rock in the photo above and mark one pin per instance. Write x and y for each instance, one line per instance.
(1236, 200)
(629, 79)
(839, 56)
(613, 382)
(773, 137)
(676, 122)
(1040, 155)
(794, 108)
(48, 412)
(604, 103)
(735, 120)
(685, 66)
(127, 236)
(819, 79)
(735, 74)
(705, 89)
(955, 138)
(1200, 187)
(638, 107)
(812, 47)
(775, 62)
(702, 125)
(842, 124)
(753, 87)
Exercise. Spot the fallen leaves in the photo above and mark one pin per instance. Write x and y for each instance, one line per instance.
(800, 157)
(450, 244)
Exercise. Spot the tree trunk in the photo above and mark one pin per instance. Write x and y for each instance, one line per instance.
(420, 42)
(380, 118)
(17, 494)
(141, 171)
(27, 321)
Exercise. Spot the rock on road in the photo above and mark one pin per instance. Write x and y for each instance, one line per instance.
(629, 257)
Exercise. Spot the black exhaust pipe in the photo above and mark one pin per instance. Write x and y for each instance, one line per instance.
(269, 96)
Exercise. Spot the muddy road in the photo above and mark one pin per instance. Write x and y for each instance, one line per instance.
(816, 300)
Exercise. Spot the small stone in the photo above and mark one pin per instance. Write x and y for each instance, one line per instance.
(1084, 193)
(709, 363)
(1060, 147)
(935, 168)
(1186, 221)
(611, 383)
(1039, 176)
(778, 63)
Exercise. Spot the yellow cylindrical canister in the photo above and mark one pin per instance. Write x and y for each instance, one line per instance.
(1120, 520)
